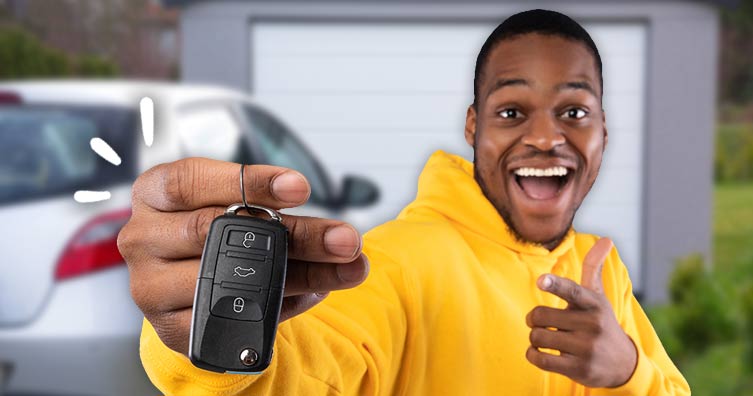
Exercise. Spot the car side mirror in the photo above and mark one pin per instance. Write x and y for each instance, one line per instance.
(358, 191)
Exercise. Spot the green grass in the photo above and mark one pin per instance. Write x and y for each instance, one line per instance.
(733, 238)
(733, 230)
(733, 159)
(718, 369)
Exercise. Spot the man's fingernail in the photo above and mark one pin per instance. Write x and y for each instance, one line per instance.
(342, 240)
(350, 272)
(290, 187)
(546, 282)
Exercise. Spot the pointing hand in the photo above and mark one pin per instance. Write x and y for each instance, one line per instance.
(594, 350)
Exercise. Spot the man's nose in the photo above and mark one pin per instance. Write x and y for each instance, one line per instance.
(543, 133)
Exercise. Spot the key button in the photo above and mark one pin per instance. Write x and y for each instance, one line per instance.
(238, 304)
(247, 239)
(249, 272)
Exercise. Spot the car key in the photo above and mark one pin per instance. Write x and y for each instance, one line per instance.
(239, 292)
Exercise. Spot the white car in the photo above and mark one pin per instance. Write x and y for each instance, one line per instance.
(68, 324)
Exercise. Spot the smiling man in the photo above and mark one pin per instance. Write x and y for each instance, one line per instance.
(480, 286)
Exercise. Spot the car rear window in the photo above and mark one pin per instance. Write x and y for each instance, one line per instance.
(45, 152)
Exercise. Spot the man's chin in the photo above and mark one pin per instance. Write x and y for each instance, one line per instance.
(536, 231)
(549, 242)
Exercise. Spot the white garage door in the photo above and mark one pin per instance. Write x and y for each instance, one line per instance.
(376, 99)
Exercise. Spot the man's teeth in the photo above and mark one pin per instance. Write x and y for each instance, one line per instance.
(553, 171)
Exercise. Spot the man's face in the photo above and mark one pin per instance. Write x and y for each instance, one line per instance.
(538, 133)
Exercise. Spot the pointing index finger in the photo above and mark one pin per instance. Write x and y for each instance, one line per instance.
(194, 183)
(566, 289)
(593, 263)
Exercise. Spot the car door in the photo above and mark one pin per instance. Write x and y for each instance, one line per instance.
(278, 146)
(212, 129)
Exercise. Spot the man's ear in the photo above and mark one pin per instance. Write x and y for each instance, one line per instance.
(470, 125)
(604, 122)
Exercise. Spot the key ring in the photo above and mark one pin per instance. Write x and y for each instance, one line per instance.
(243, 189)
(233, 209)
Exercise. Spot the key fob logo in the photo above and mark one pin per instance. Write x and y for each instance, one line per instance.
(238, 304)
(243, 272)
(248, 239)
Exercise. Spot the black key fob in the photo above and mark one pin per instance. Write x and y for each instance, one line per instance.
(239, 292)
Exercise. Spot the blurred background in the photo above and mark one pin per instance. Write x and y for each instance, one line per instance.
(356, 95)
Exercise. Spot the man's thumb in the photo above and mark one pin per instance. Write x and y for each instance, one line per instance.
(592, 264)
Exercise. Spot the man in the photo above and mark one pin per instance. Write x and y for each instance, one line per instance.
(480, 286)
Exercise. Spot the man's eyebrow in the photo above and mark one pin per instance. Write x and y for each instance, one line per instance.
(577, 85)
(505, 82)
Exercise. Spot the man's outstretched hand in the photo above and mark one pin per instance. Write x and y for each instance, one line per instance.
(594, 350)
(173, 206)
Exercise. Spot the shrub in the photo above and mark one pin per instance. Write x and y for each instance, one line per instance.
(747, 314)
(663, 319)
(92, 65)
(734, 153)
(23, 56)
(701, 314)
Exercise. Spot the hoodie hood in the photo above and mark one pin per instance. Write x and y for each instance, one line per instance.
(447, 188)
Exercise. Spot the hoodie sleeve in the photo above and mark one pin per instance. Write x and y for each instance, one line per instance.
(352, 343)
(655, 374)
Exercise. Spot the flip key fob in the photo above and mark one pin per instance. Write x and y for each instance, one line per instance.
(239, 293)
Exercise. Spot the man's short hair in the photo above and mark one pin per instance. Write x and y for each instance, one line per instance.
(534, 21)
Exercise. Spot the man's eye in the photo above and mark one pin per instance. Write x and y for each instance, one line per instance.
(509, 113)
(575, 114)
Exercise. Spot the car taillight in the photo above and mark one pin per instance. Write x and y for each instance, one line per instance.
(93, 247)
(10, 98)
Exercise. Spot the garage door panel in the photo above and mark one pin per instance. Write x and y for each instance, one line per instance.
(395, 132)
(625, 234)
(408, 150)
(618, 38)
(624, 111)
(623, 74)
(586, 222)
(352, 111)
(359, 74)
(615, 186)
(623, 151)
(368, 38)
(419, 38)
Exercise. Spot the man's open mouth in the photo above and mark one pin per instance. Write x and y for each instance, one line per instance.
(542, 183)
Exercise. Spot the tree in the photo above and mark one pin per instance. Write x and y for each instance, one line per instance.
(23, 56)
(736, 64)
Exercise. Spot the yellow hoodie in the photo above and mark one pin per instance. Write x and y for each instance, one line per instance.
(441, 313)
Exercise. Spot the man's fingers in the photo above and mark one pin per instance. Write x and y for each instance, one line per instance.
(310, 238)
(593, 263)
(149, 283)
(322, 240)
(563, 341)
(194, 183)
(561, 319)
(575, 294)
(304, 277)
(564, 364)
(296, 305)
(183, 234)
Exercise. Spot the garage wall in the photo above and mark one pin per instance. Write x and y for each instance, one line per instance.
(378, 98)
